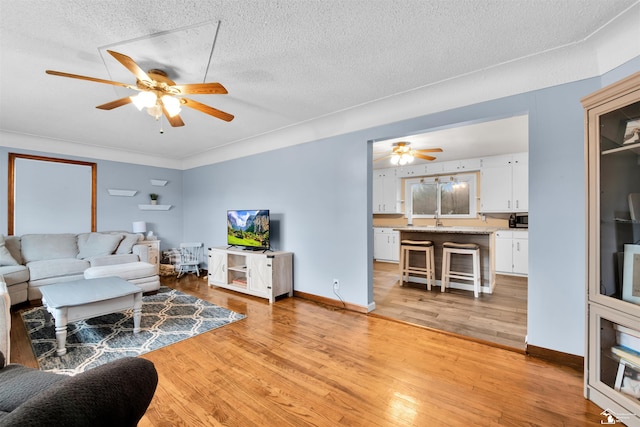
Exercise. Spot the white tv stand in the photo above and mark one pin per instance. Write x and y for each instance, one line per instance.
(262, 274)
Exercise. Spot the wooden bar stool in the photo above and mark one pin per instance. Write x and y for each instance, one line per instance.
(426, 246)
(449, 248)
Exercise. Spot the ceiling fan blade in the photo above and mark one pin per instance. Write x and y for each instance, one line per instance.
(206, 109)
(382, 158)
(130, 65)
(424, 157)
(175, 121)
(201, 89)
(91, 79)
(430, 150)
(115, 104)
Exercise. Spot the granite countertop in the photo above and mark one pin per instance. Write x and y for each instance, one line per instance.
(449, 229)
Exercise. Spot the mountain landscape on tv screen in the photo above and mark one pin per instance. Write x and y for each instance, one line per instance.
(248, 228)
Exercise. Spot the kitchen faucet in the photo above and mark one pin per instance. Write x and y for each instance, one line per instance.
(438, 222)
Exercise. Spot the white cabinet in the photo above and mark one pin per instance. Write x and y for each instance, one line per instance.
(512, 252)
(504, 183)
(408, 171)
(262, 274)
(386, 244)
(453, 166)
(386, 191)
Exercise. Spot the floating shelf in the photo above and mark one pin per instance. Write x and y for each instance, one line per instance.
(159, 182)
(154, 207)
(126, 193)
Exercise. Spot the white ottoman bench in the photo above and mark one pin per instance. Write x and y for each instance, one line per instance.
(142, 274)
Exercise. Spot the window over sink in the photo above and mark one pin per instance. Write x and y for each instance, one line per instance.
(447, 196)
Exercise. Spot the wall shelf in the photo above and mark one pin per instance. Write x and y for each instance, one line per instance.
(154, 207)
(158, 182)
(125, 193)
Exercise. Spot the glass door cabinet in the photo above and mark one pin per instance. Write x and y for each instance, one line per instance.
(612, 362)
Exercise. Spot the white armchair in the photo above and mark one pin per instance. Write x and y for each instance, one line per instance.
(5, 321)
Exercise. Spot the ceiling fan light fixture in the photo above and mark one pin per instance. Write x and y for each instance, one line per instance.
(144, 100)
(395, 159)
(155, 111)
(172, 105)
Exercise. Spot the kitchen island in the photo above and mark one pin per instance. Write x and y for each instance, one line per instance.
(482, 236)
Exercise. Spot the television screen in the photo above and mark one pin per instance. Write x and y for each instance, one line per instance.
(249, 229)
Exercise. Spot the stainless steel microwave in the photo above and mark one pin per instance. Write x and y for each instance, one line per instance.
(519, 220)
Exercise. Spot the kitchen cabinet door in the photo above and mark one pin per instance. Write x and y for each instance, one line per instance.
(520, 255)
(496, 188)
(504, 252)
(520, 187)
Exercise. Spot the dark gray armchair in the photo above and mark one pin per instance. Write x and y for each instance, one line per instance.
(114, 394)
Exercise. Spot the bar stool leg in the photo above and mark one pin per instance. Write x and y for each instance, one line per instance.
(445, 270)
(402, 268)
(476, 274)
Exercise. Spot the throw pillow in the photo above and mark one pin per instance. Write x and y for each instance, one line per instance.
(97, 244)
(5, 255)
(126, 245)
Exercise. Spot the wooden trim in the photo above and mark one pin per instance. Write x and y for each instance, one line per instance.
(612, 91)
(11, 185)
(571, 360)
(331, 302)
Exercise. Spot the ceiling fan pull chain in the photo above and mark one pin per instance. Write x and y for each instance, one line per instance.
(161, 130)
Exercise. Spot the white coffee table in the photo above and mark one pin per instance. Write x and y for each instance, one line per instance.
(87, 298)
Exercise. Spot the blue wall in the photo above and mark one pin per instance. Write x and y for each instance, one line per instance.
(116, 212)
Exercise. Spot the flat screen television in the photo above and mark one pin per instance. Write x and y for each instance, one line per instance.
(248, 229)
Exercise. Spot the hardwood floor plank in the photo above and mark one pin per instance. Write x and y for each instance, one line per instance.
(299, 363)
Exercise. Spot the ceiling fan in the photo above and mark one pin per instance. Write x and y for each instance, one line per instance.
(159, 94)
(402, 153)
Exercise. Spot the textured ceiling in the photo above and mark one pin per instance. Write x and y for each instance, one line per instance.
(284, 63)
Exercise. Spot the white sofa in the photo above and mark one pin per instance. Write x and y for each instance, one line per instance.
(33, 260)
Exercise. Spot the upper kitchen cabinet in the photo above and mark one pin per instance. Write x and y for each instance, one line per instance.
(612, 362)
(386, 191)
(504, 183)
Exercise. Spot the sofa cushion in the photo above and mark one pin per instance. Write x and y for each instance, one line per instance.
(13, 244)
(56, 268)
(14, 274)
(97, 244)
(37, 247)
(20, 384)
(127, 242)
(130, 270)
(113, 259)
(5, 255)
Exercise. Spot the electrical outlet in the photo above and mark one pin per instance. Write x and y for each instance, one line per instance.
(336, 285)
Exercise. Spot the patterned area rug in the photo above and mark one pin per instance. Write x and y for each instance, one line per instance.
(167, 317)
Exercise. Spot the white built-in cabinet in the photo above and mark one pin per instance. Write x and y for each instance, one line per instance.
(512, 252)
(504, 183)
(453, 166)
(262, 274)
(386, 191)
(386, 244)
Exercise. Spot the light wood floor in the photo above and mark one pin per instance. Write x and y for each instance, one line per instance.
(298, 363)
(500, 317)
